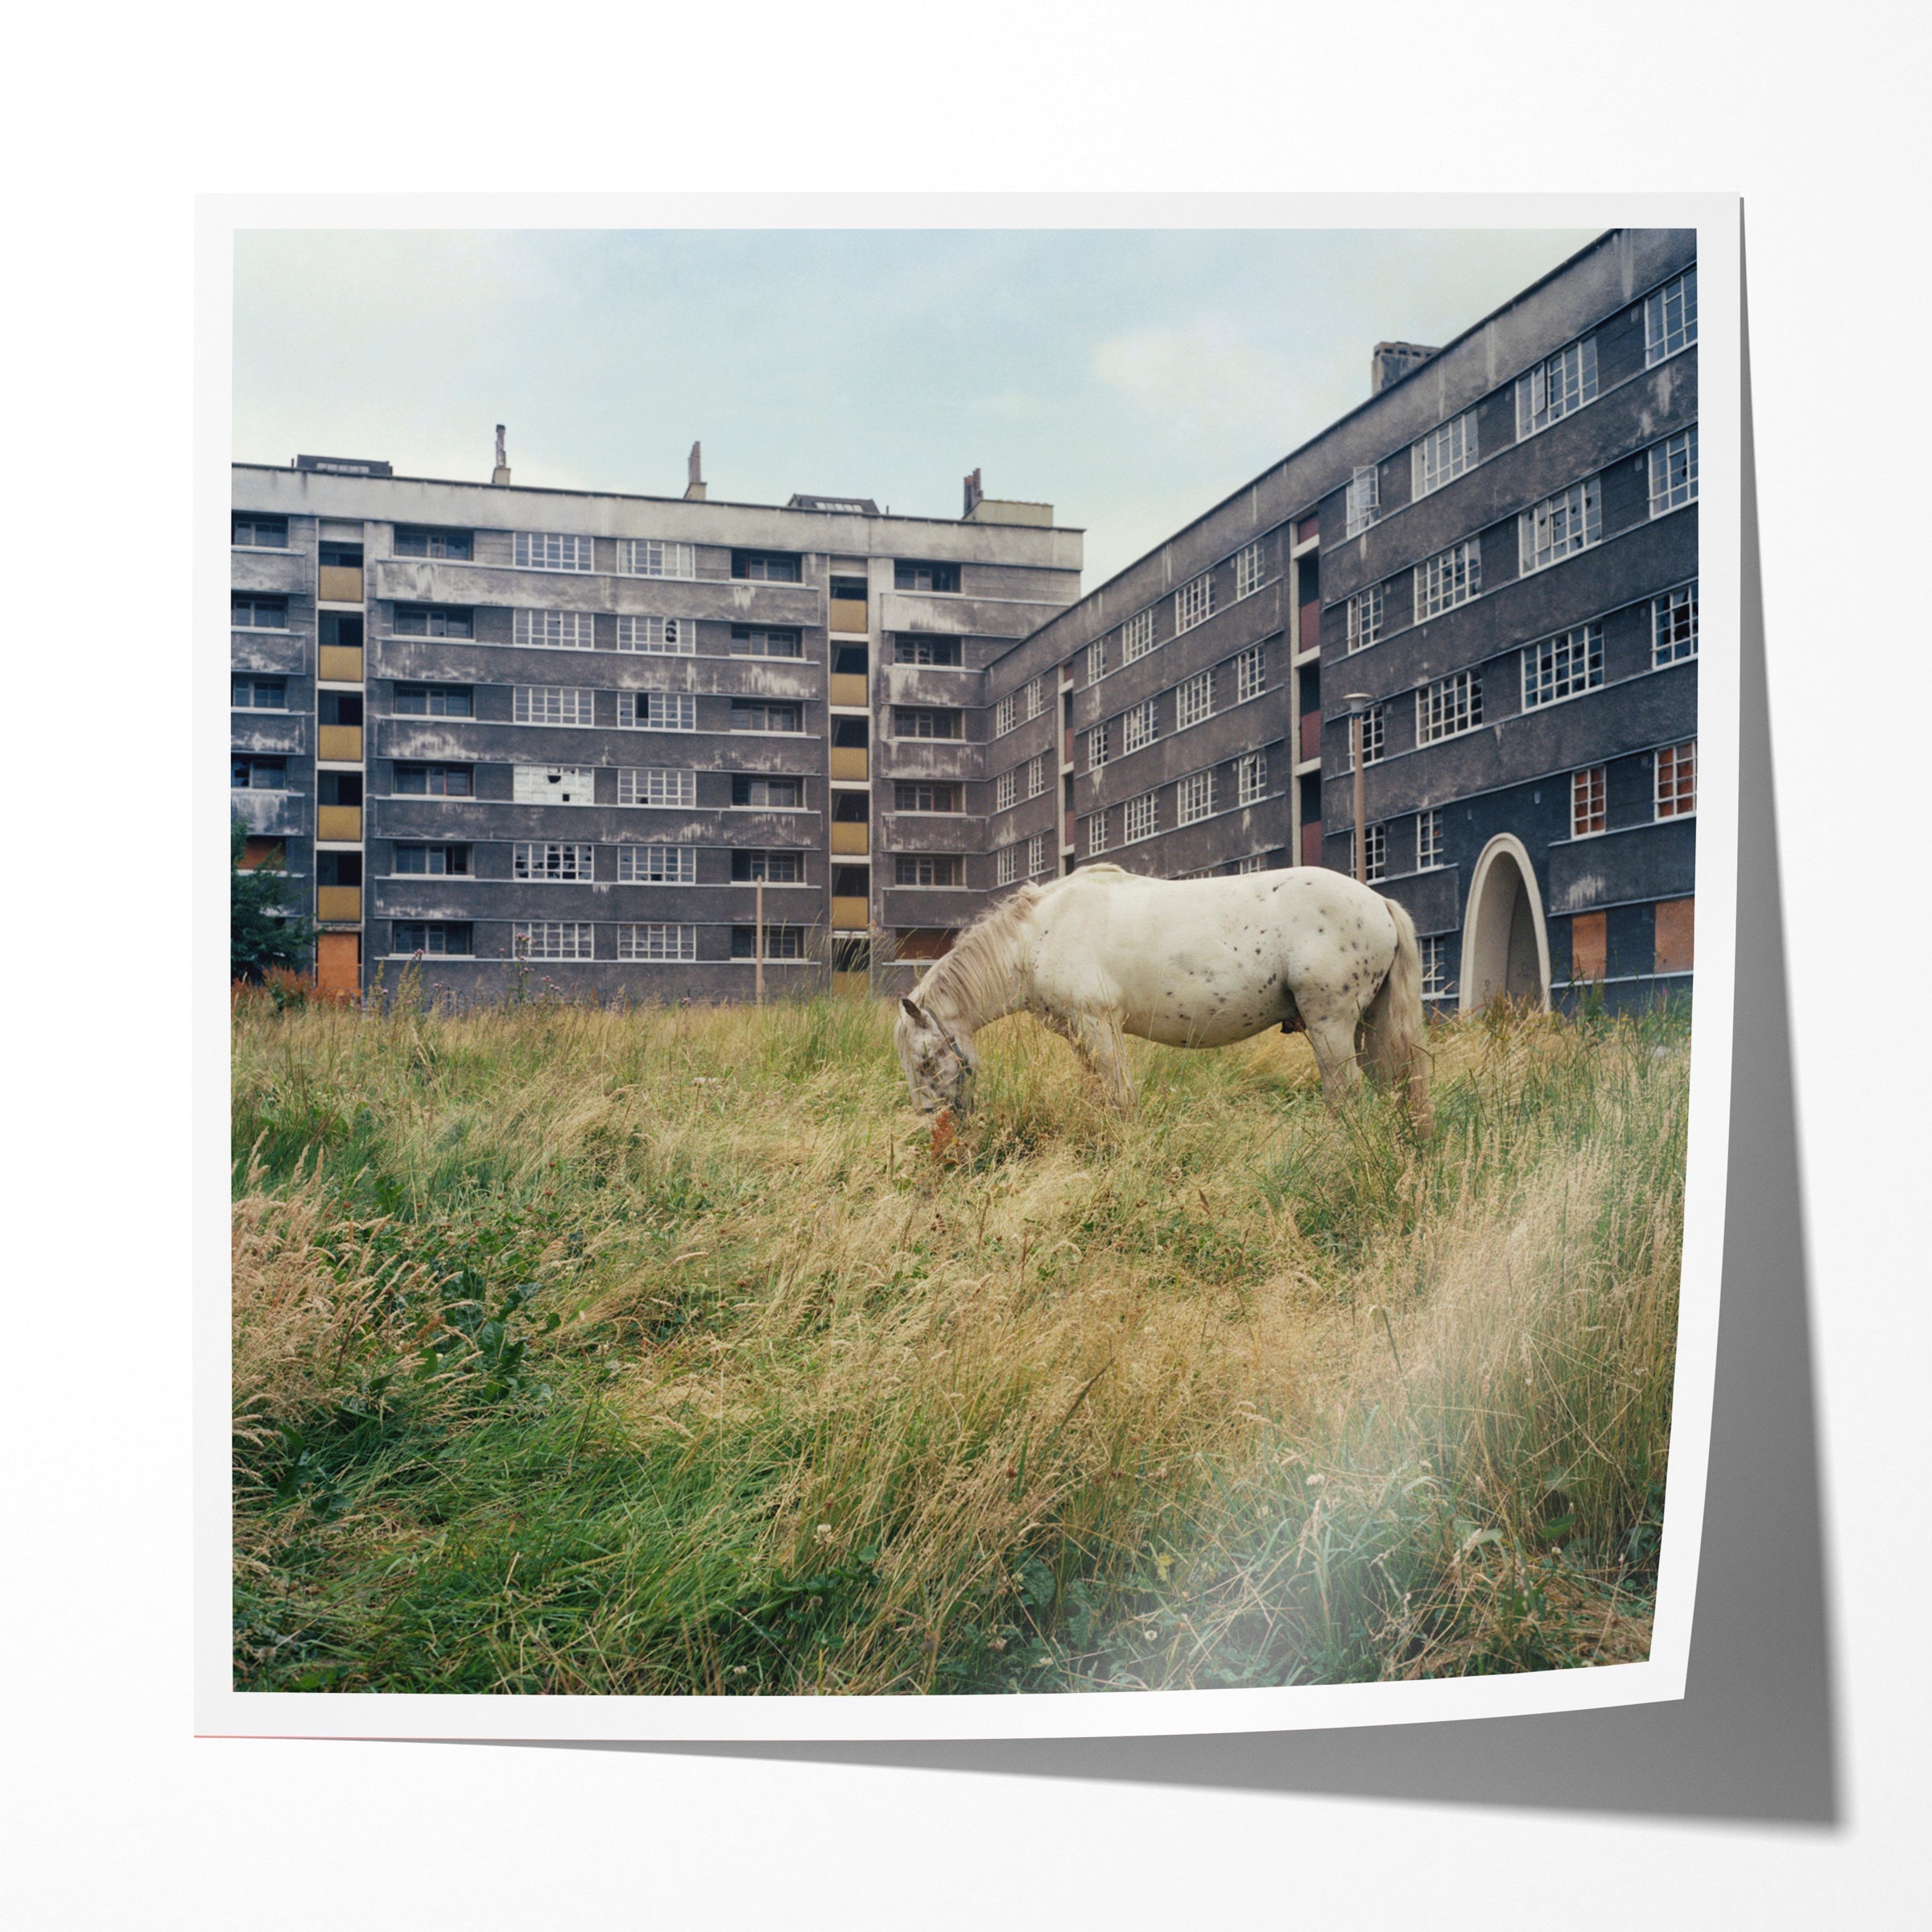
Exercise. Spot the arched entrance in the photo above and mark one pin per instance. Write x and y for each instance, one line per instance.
(1505, 948)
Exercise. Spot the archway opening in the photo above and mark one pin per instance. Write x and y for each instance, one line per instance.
(1504, 949)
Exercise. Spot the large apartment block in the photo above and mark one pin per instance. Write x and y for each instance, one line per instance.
(488, 725)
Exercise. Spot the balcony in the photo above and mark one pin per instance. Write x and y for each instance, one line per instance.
(848, 615)
(848, 761)
(848, 837)
(339, 582)
(340, 663)
(847, 688)
(848, 915)
(338, 901)
(341, 824)
(338, 744)
(1311, 741)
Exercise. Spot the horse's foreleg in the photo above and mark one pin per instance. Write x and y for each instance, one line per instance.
(1098, 1043)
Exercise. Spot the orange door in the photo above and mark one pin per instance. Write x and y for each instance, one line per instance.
(338, 964)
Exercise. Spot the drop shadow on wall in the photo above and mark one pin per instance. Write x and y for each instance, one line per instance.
(1755, 1737)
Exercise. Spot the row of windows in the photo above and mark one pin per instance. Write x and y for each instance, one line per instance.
(548, 785)
(1006, 714)
(1006, 860)
(552, 939)
(1139, 724)
(1195, 799)
(1192, 603)
(551, 861)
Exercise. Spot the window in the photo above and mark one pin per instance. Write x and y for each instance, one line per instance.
(433, 782)
(258, 613)
(925, 869)
(1676, 781)
(1560, 526)
(780, 942)
(774, 868)
(659, 636)
(434, 701)
(756, 641)
(772, 794)
(1193, 604)
(1452, 577)
(1143, 817)
(1443, 456)
(1362, 502)
(434, 939)
(656, 865)
(554, 630)
(553, 939)
(1250, 674)
(1141, 725)
(1036, 776)
(660, 711)
(646, 557)
(432, 620)
(1670, 318)
(431, 862)
(1435, 965)
(1193, 798)
(1036, 697)
(258, 774)
(1673, 626)
(1195, 701)
(656, 942)
(908, 723)
(1560, 667)
(260, 693)
(759, 714)
(1449, 705)
(1428, 840)
(1255, 861)
(1378, 855)
(1096, 660)
(1248, 568)
(926, 651)
(1553, 388)
(1006, 864)
(1673, 473)
(766, 566)
(1374, 734)
(548, 549)
(553, 863)
(1365, 617)
(928, 798)
(926, 576)
(553, 704)
(259, 533)
(1099, 746)
(1096, 833)
(453, 544)
(1251, 778)
(1006, 715)
(553, 785)
(1588, 796)
(657, 787)
(1036, 855)
(1006, 791)
(1136, 636)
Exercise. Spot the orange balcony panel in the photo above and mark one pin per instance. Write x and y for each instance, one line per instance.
(1311, 734)
(263, 852)
(1589, 946)
(847, 915)
(848, 687)
(338, 964)
(339, 823)
(1675, 923)
(848, 614)
(341, 744)
(338, 901)
(848, 761)
(339, 664)
(850, 838)
(339, 584)
(1311, 842)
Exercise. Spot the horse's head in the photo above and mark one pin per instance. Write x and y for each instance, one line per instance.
(940, 1065)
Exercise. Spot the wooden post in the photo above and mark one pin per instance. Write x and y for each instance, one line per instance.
(758, 949)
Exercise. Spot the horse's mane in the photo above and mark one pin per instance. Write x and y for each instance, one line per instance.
(974, 972)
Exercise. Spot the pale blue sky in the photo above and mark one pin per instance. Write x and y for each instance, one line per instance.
(1130, 377)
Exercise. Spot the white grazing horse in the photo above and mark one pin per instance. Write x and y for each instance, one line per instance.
(1187, 962)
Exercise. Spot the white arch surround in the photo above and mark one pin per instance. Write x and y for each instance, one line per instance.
(1504, 876)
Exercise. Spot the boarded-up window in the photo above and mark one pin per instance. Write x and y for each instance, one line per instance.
(1675, 923)
(1589, 946)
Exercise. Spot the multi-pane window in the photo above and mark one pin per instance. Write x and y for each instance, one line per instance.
(944, 577)
(430, 861)
(553, 704)
(1006, 791)
(775, 795)
(656, 865)
(1673, 626)
(928, 798)
(1096, 660)
(259, 694)
(434, 938)
(550, 863)
(1143, 817)
(925, 722)
(1140, 725)
(1099, 746)
(925, 869)
(1006, 864)
(556, 629)
(1193, 798)
(766, 566)
(1006, 715)
(773, 867)
(1250, 674)
(1248, 568)
(1676, 781)
(1195, 701)
(1036, 776)
(433, 782)
(1562, 666)
(258, 774)
(1365, 617)
(1371, 729)
(553, 939)
(1443, 454)
(1548, 393)
(762, 714)
(1560, 526)
(1428, 840)
(550, 550)
(658, 711)
(434, 701)
(245, 612)
(1670, 318)
(553, 785)
(1449, 705)
(1673, 472)
(1450, 577)
(1377, 853)
(1096, 833)
(1036, 855)
(432, 620)
(1193, 604)
(1589, 797)
(1255, 861)
(1036, 697)
(646, 557)
(780, 942)
(1363, 502)
(759, 641)
(656, 942)
(453, 545)
(1136, 636)
(944, 651)
(1434, 952)
(259, 533)
(659, 636)
(1251, 778)
(654, 786)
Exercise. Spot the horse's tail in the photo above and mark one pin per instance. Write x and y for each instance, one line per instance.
(1394, 1027)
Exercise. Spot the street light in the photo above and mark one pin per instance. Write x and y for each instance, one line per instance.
(1358, 703)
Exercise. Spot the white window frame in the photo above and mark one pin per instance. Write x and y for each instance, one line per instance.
(1448, 451)
(1374, 734)
(1193, 603)
(1251, 778)
(1561, 525)
(1558, 386)
(1250, 674)
(574, 705)
(1428, 841)
(1434, 952)
(1564, 666)
(553, 785)
(553, 629)
(1036, 774)
(1006, 789)
(1036, 698)
(1099, 744)
(1006, 864)
(553, 550)
(658, 636)
(931, 863)
(1589, 787)
(1194, 798)
(637, 785)
(1365, 609)
(651, 557)
(664, 944)
(1143, 818)
(1136, 636)
(1036, 855)
(1375, 853)
(657, 711)
(1666, 646)
(1449, 579)
(1671, 807)
(645, 865)
(1096, 832)
(1255, 861)
(1096, 660)
(1448, 707)
(1362, 502)
(553, 939)
(1249, 565)
(1664, 334)
(1666, 494)
(553, 862)
(1141, 725)
(1006, 714)
(1194, 701)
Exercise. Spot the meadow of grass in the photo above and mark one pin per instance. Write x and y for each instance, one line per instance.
(658, 1351)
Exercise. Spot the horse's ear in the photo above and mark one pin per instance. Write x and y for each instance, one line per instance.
(910, 1007)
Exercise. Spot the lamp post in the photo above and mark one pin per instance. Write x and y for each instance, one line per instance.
(1358, 703)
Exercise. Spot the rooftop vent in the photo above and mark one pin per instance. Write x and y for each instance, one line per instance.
(344, 466)
(1389, 362)
(836, 506)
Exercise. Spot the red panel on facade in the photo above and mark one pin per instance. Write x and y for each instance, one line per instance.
(1310, 526)
(1589, 946)
(1311, 734)
(1311, 842)
(1675, 921)
(1311, 625)
(338, 964)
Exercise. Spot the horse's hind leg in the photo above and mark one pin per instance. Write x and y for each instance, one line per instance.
(1331, 1035)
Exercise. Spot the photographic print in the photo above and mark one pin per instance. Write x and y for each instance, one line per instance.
(964, 961)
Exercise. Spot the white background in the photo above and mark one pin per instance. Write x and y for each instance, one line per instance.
(118, 1815)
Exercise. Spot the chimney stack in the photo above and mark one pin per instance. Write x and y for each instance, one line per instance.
(501, 474)
(694, 486)
(974, 493)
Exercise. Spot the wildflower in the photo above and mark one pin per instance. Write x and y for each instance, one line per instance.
(824, 1532)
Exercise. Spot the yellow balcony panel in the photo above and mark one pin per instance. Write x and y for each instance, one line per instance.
(848, 761)
(850, 838)
(338, 901)
(339, 584)
(342, 744)
(847, 915)
(340, 663)
(339, 823)
(848, 687)
(848, 614)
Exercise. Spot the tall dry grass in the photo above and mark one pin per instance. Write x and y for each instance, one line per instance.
(655, 1350)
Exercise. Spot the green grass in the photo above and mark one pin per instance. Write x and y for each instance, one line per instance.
(654, 1351)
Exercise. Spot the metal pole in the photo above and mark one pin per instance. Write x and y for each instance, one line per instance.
(1361, 830)
(758, 949)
